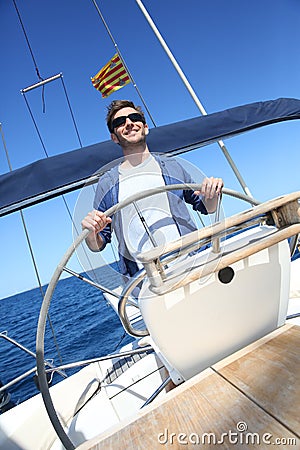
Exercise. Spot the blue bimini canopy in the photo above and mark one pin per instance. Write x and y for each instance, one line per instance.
(53, 176)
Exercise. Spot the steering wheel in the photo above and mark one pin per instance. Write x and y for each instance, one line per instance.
(44, 388)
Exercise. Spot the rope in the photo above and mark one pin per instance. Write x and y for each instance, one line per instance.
(120, 341)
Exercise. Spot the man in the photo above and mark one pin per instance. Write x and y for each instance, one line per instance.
(166, 216)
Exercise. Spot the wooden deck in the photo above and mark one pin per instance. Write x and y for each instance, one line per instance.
(248, 400)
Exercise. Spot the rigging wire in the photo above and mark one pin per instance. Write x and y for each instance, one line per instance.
(31, 250)
(23, 91)
(133, 82)
(123, 61)
(42, 84)
(192, 93)
(31, 53)
(46, 153)
(71, 111)
(27, 40)
(35, 125)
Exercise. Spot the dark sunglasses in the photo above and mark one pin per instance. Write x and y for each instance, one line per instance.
(119, 121)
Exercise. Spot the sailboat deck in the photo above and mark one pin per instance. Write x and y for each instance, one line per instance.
(250, 399)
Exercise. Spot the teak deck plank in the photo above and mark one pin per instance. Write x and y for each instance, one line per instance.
(257, 388)
(271, 377)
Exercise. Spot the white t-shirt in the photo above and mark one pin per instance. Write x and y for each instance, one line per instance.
(155, 209)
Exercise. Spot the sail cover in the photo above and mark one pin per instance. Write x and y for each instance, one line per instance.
(53, 176)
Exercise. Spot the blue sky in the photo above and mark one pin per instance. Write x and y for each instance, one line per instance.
(233, 52)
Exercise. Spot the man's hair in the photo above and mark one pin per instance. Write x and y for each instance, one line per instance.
(115, 106)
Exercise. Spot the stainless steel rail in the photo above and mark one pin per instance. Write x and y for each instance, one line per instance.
(17, 344)
(41, 83)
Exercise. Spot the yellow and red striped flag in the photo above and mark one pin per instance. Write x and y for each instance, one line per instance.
(111, 77)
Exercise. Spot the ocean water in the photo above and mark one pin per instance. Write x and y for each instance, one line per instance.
(85, 326)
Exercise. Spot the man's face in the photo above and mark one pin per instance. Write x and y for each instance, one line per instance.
(130, 133)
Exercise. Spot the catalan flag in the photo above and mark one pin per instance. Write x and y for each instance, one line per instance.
(111, 77)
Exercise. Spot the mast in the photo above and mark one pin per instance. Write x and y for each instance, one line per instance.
(193, 94)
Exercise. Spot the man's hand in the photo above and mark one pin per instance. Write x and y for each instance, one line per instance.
(211, 189)
(95, 221)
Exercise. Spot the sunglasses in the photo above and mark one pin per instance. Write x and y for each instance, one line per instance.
(119, 121)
